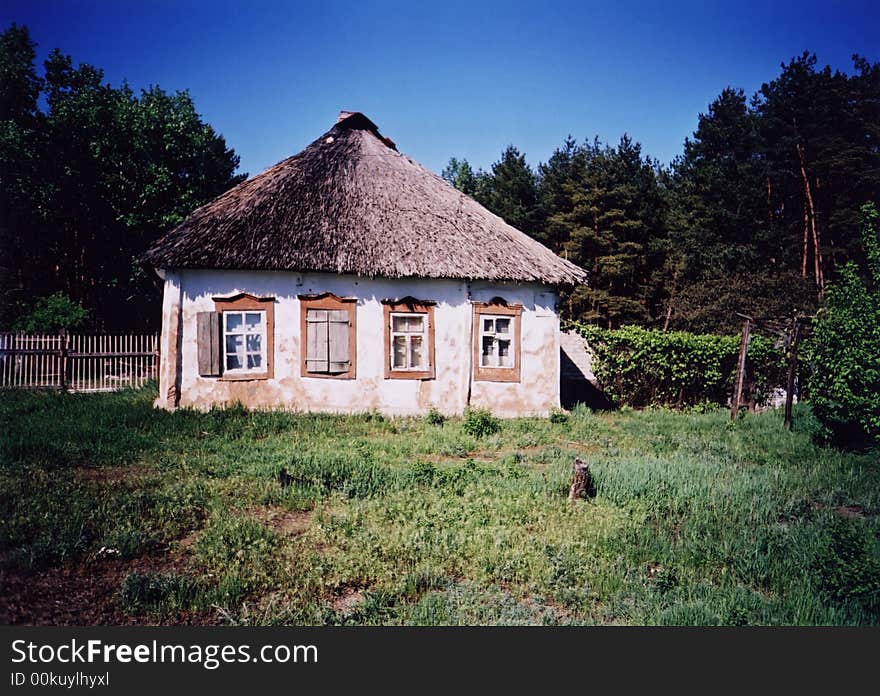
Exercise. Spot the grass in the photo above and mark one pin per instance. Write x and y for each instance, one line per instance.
(441, 521)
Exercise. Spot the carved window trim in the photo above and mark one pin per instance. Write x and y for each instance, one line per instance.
(409, 305)
(243, 302)
(497, 306)
(328, 301)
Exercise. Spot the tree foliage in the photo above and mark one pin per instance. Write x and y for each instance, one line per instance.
(90, 175)
(49, 314)
(613, 219)
(461, 175)
(845, 347)
(756, 215)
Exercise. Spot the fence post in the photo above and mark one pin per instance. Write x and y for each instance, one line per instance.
(792, 371)
(62, 353)
(741, 370)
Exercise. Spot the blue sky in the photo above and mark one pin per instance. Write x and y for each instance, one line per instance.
(450, 78)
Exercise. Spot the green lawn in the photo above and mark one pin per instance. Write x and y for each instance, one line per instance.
(159, 517)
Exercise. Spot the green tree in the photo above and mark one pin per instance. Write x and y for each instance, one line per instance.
(555, 179)
(49, 314)
(510, 191)
(845, 347)
(717, 177)
(614, 217)
(756, 214)
(725, 251)
(461, 175)
(107, 172)
(764, 201)
(22, 193)
(820, 137)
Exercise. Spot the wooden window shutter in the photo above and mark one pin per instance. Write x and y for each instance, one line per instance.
(327, 329)
(208, 340)
(338, 320)
(317, 340)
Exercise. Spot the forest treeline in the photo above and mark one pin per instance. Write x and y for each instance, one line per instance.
(90, 175)
(755, 216)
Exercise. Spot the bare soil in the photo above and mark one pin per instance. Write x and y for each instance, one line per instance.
(83, 594)
(282, 521)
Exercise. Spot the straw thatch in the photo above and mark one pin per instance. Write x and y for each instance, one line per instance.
(351, 203)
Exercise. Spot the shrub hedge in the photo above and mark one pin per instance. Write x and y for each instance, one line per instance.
(647, 367)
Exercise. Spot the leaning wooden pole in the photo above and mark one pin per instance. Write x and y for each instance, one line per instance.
(740, 370)
(792, 370)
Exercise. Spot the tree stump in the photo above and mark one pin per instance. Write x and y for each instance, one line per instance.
(581, 482)
(284, 478)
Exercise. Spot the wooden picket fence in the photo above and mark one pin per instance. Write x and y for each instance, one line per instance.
(76, 362)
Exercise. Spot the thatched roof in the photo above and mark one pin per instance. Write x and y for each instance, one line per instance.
(351, 203)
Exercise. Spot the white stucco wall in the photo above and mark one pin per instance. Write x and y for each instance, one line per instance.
(189, 292)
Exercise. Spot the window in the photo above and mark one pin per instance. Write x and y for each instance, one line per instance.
(409, 339)
(245, 343)
(497, 341)
(328, 336)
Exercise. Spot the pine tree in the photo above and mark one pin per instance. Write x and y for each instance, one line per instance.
(510, 191)
(461, 175)
(614, 213)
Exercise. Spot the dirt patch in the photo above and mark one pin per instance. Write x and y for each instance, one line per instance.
(495, 455)
(347, 599)
(84, 594)
(282, 521)
(537, 604)
(183, 546)
(555, 608)
(443, 458)
(850, 512)
(480, 456)
(584, 447)
(782, 522)
(114, 474)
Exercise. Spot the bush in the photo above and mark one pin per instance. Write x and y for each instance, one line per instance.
(434, 417)
(844, 349)
(479, 422)
(52, 313)
(646, 367)
(558, 416)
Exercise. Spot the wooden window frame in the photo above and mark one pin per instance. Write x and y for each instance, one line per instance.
(243, 302)
(497, 307)
(327, 300)
(409, 305)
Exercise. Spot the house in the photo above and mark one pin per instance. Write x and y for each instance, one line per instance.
(350, 278)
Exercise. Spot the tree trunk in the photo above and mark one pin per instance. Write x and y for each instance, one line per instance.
(740, 370)
(581, 482)
(792, 371)
(671, 298)
(808, 194)
(806, 241)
